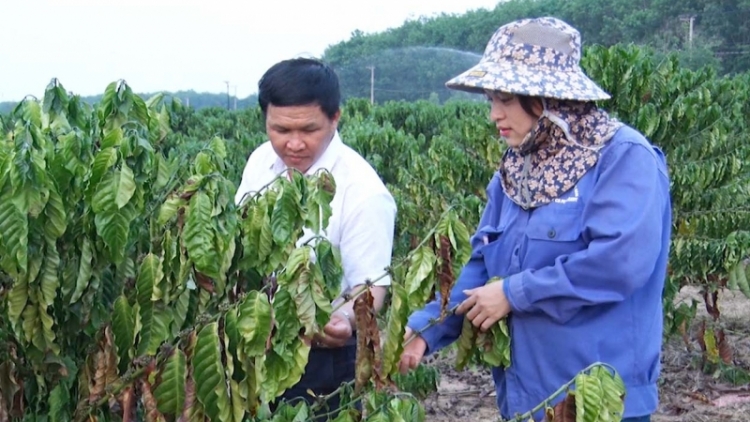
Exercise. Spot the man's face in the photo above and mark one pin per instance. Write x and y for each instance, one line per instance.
(299, 134)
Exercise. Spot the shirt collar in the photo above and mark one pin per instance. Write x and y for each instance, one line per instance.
(326, 161)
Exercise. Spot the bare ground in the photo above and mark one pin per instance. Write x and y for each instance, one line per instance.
(687, 394)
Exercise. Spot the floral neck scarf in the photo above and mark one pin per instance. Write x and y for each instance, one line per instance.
(557, 153)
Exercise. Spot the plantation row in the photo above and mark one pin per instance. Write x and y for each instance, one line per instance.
(132, 288)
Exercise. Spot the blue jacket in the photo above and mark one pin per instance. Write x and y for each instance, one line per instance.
(583, 275)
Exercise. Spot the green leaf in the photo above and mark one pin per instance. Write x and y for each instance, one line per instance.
(123, 329)
(210, 386)
(59, 398)
(588, 396)
(286, 215)
(49, 275)
(84, 270)
(18, 297)
(32, 113)
(319, 202)
(56, 221)
(106, 194)
(285, 314)
(149, 275)
(112, 138)
(163, 172)
(198, 236)
(14, 231)
(126, 187)
(103, 161)
(218, 146)
(170, 393)
(328, 259)
(281, 367)
(495, 345)
(203, 164)
(613, 390)
(466, 344)
(169, 208)
(306, 309)
(254, 323)
(113, 227)
(398, 314)
(419, 275)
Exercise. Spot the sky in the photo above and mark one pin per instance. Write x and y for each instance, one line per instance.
(171, 45)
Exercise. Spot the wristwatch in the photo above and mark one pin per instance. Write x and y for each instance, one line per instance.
(348, 316)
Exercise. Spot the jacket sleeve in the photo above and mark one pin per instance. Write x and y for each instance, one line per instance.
(625, 226)
(473, 274)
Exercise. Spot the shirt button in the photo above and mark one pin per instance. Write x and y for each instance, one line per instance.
(551, 233)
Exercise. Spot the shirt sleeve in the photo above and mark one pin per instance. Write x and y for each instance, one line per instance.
(624, 223)
(473, 275)
(366, 243)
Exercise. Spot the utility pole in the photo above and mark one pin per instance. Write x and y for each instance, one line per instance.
(227, 82)
(690, 19)
(235, 97)
(372, 84)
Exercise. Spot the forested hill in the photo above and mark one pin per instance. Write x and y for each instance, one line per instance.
(414, 60)
(190, 98)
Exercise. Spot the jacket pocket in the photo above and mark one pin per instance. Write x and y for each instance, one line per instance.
(552, 235)
(495, 253)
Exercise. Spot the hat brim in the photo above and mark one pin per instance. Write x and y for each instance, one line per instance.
(522, 80)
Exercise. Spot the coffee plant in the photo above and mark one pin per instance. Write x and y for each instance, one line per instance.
(132, 287)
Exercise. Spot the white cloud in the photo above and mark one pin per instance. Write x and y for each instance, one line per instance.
(187, 44)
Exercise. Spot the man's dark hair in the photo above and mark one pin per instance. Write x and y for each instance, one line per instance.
(300, 81)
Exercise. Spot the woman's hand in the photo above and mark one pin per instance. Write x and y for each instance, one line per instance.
(485, 305)
(413, 352)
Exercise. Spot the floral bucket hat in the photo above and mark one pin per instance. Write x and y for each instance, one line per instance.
(535, 57)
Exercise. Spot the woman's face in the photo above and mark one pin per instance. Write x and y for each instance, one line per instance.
(512, 121)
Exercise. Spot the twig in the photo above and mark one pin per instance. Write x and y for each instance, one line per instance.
(433, 322)
(348, 296)
(260, 191)
(545, 403)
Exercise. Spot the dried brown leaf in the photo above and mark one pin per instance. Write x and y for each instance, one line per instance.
(149, 403)
(11, 389)
(104, 366)
(204, 282)
(564, 411)
(368, 361)
(187, 408)
(110, 354)
(725, 349)
(127, 401)
(4, 417)
(700, 336)
(445, 273)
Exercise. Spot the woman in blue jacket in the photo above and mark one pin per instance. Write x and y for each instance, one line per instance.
(577, 226)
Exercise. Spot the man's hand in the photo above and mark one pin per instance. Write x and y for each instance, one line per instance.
(485, 305)
(335, 333)
(413, 352)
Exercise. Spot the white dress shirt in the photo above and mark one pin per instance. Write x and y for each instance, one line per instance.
(363, 211)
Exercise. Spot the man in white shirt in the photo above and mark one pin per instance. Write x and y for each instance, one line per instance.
(300, 100)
